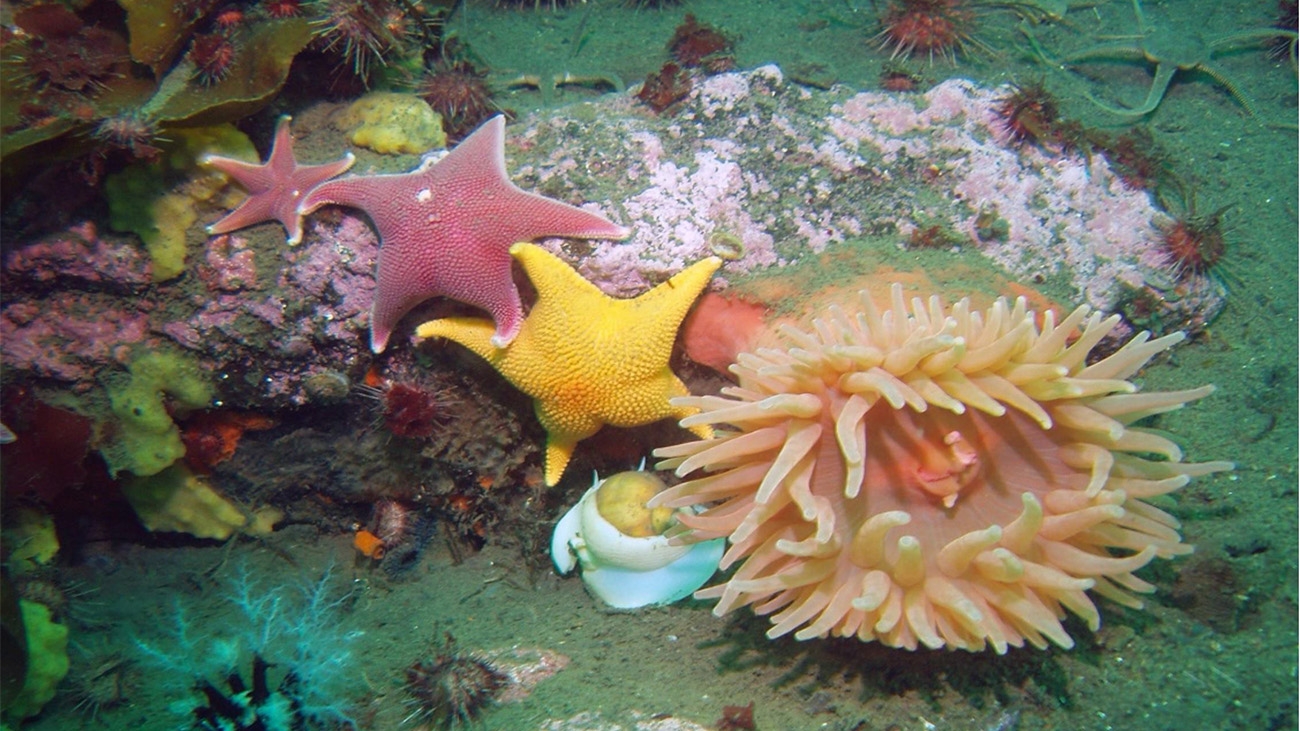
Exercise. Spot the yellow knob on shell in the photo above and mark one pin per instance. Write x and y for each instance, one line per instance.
(621, 500)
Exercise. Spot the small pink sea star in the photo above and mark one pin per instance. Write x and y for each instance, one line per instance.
(275, 187)
(446, 229)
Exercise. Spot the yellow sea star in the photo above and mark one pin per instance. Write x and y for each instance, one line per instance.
(586, 358)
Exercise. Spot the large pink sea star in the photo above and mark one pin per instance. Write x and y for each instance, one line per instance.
(446, 229)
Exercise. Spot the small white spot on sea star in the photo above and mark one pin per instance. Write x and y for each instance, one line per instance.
(424, 196)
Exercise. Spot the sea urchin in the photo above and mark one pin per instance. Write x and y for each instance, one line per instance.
(1193, 244)
(453, 687)
(459, 93)
(927, 27)
(212, 54)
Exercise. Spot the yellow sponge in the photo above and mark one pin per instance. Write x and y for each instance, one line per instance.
(391, 123)
(29, 539)
(179, 500)
(144, 198)
(47, 661)
(173, 214)
(144, 438)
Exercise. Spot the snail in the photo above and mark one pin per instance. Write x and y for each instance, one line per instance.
(624, 549)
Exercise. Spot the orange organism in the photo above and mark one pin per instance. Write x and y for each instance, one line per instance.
(368, 544)
(211, 437)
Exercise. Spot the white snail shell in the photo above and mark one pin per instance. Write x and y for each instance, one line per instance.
(625, 571)
(612, 548)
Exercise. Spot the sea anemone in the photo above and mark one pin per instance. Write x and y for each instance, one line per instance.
(935, 476)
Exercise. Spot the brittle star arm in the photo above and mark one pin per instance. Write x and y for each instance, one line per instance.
(1164, 74)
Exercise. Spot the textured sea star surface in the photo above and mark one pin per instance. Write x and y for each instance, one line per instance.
(586, 358)
(275, 187)
(446, 229)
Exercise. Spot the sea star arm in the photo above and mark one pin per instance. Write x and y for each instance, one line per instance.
(256, 207)
(556, 282)
(564, 429)
(1226, 82)
(1164, 74)
(1254, 34)
(446, 229)
(1105, 52)
(274, 187)
(474, 333)
(585, 358)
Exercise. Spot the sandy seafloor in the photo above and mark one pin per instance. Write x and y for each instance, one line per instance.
(1159, 669)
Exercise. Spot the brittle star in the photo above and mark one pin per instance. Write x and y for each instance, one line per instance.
(1172, 51)
(549, 85)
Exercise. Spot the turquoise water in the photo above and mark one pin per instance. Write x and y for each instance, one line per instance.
(1215, 649)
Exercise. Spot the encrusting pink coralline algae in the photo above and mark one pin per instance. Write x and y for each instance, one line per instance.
(789, 171)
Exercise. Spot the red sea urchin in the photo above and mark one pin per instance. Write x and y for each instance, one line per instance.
(407, 410)
(410, 411)
(365, 33)
(1284, 46)
(1028, 113)
(459, 93)
(130, 131)
(452, 688)
(1193, 244)
(927, 27)
(1139, 159)
(283, 8)
(212, 55)
(228, 18)
(100, 682)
